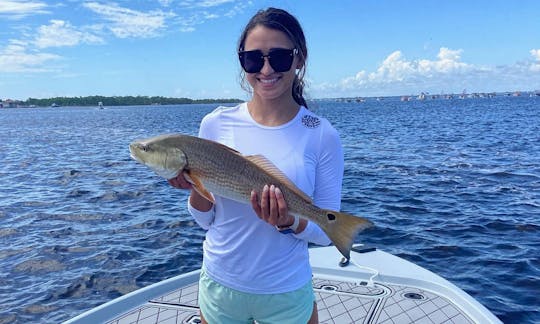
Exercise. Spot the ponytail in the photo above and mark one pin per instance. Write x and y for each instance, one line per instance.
(298, 91)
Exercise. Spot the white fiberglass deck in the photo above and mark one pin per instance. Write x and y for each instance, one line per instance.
(401, 293)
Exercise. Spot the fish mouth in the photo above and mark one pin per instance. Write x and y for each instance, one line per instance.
(133, 147)
(135, 157)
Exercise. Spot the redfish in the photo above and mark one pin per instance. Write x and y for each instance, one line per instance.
(214, 167)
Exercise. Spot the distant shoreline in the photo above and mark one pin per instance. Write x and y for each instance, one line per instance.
(102, 101)
(92, 101)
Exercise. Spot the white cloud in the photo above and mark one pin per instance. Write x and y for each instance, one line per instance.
(27, 54)
(184, 16)
(165, 3)
(448, 62)
(15, 57)
(188, 23)
(395, 68)
(127, 22)
(536, 54)
(202, 11)
(204, 3)
(535, 66)
(61, 33)
(213, 3)
(397, 76)
(16, 9)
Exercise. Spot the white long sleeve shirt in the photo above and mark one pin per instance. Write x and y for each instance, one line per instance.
(243, 252)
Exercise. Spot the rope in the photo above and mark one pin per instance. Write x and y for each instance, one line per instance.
(375, 272)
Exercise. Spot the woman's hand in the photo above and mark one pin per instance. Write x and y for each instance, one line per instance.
(180, 182)
(195, 199)
(271, 207)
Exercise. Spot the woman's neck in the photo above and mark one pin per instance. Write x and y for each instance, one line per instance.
(272, 112)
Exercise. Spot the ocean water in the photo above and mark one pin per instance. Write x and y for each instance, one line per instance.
(452, 185)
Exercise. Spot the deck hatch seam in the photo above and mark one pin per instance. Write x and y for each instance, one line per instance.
(172, 305)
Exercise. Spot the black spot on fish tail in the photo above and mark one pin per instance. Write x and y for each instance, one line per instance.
(331, 217)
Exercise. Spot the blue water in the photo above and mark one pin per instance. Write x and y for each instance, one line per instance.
(452, 185)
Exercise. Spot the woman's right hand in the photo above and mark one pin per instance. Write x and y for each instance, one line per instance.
(180, 182)
(195, 199)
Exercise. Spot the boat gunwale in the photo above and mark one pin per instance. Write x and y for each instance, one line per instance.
(135, 299)
(325, 265)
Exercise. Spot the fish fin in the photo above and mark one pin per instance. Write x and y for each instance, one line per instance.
(199, 187)
(223, 146)
(342, 228)
(269, 167)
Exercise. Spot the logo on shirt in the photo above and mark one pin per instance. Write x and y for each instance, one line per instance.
(310, 121)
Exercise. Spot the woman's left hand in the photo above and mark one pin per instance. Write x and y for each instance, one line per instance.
(271, 207)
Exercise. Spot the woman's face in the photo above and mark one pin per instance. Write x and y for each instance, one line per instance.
(269, 84)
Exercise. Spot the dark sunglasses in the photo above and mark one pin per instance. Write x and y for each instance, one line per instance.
(280, 59)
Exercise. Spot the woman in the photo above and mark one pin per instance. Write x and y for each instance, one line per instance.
(256, 261)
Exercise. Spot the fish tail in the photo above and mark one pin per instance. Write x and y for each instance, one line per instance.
(342, 228)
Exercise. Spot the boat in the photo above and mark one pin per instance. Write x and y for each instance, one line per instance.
(372, 287)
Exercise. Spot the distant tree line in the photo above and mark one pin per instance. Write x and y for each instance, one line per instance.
(120, 101)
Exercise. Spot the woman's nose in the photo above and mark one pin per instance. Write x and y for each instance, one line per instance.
(267, 68)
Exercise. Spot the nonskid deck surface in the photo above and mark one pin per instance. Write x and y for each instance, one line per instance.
(337, 301)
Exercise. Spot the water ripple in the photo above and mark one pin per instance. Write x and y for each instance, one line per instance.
(453, 186)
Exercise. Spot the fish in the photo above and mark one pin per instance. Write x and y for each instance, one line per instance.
(214, 168)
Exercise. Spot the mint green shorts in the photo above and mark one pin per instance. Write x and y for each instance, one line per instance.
(223, 305)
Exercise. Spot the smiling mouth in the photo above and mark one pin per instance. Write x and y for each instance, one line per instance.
(269, 81)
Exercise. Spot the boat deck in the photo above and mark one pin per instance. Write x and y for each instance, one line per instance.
(374, 287)
(338, 302)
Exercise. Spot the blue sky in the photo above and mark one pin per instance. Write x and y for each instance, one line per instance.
(186, 48)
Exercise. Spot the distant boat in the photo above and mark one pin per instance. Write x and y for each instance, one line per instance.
(359, 99)
(405, 98)
(100, 105)
(422, 96)
(54, 104)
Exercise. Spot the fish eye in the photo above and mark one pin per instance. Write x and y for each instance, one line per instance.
(143, 147)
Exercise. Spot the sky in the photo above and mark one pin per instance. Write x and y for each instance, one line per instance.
(187, 48)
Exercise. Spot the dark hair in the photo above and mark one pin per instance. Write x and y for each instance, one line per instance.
(283, 21)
